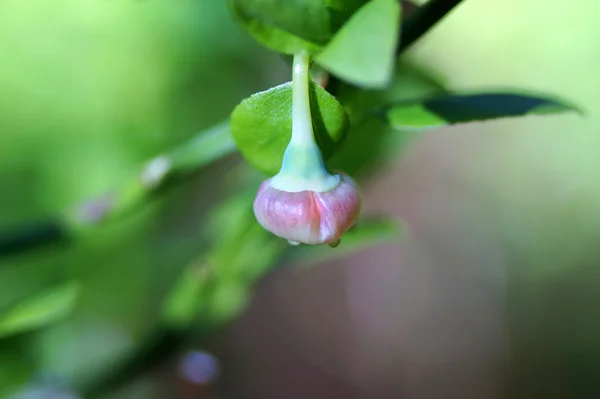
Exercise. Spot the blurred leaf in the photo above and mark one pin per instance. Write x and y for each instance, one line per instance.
(370, 145)
(237, 264)
(187, 296)
(363, 52)
(371, 141)
(262, 125)
(83, 349)
(455, 108)
(231, 216)
(40, 311)
(41, 390)
(365, 234)
(272, 37)
(409, 82)
(190, 295)
(15, 371)
(293, 25)
(242, 251)
(249, 254)
(202, 149)
(227, 301)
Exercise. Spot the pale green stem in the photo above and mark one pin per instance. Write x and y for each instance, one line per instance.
(303, 168)
(302, 129)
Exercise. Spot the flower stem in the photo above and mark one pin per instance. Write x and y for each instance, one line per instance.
(302, 168)
(302, 130)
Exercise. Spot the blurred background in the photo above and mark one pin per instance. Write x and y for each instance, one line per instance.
(492, 292)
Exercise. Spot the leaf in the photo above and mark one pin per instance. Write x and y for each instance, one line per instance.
(371, 142)
(15, 370)
(202, 149)
(227, 301)
(293, 25)
(271, 36)
(409, 82)
(362, 152)
(261, 125)
(363, 52)
(242, 251)
(307, 19)
(238, 262)
(367, 233)
(40, 311)
(199, 151)
(453, 108)
(187, 297)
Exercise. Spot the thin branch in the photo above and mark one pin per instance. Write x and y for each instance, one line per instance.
(422, 19)
(39, 234)
(199, 151)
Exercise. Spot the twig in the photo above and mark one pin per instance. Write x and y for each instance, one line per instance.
(24, 237)
(422, 19)
(199, 151)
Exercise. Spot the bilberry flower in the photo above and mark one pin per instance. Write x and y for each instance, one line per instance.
(304, 203)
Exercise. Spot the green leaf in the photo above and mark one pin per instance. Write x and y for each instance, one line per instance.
(306, 19)
(227, 301)
(187, 297)
(16, 369)
(363, 52)
(367, 233)
(261, 125)
(202, 149)
(271, 36)
(409, 82)
(413, 118)
(364, 153)
(40, 311)
(242, 251)
(293, 25)
(453, 108)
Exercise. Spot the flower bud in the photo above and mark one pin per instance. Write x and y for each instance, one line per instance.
(308, 217)
(304, 203)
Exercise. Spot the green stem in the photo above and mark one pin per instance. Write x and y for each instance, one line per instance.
(302, 168)
(302, 129)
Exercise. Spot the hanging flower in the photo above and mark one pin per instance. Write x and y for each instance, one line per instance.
(304, 203)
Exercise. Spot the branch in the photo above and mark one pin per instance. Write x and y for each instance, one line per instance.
(422, 19)
(24, 237)
(199, 151)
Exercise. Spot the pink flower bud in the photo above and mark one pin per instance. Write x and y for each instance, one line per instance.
(304, 203)
(308, 217)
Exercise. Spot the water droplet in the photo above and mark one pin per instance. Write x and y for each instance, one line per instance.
(334, 243)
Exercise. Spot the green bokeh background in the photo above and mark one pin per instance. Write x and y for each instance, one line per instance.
(90, 90)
